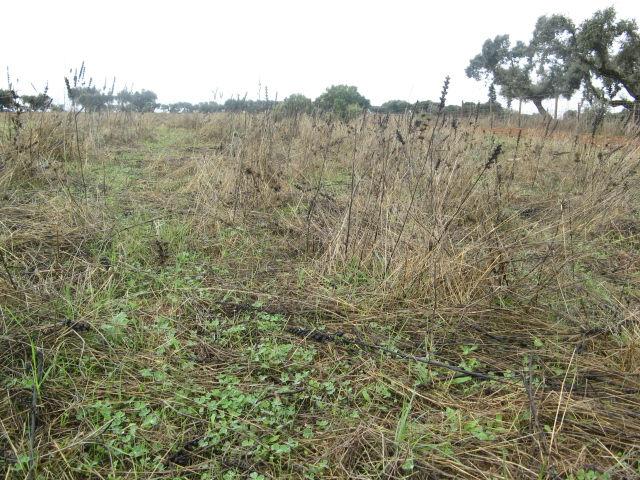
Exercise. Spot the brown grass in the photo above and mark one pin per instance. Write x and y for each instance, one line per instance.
(452, 309)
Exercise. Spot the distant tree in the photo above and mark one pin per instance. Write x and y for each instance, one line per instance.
(123, 98)
(344, 100)
(453, 110)
(8, 100)
(604, 51)
(142, 101)
(296, 104)
(426, 106)
(180, 107)
(84, 93)
(259, 105)
(469, 108)
(521, 71)
(89, 98)
(243, 105)
(37, 103)
(208, 107)
(235, 104)
(395, 106)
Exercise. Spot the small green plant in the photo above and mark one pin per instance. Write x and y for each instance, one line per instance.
(583, 474)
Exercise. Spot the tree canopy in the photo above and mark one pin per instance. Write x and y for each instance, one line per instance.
(8, 100)
(603, 51)
(142, 101)
(601, 55)
(84, 93)
(39, 102)
(395, 106)
(89, 98)
(522, 72)
(208, 107)
(344, 100)
(296, 104)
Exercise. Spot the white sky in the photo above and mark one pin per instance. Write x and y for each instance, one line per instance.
(185, 50)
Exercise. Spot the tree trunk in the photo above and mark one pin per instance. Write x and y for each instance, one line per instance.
(635, 112)
(519, 113)
(579, 110)
(538, 103)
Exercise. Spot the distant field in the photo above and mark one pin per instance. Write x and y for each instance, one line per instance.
(190, 296)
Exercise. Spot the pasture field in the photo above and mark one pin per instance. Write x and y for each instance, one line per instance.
(190, 296)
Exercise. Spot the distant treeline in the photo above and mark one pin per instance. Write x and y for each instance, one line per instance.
(343, 100)
(301, 104)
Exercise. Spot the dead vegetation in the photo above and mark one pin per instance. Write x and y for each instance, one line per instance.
(247, 296)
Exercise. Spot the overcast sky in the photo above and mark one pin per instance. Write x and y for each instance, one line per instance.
(187, 50)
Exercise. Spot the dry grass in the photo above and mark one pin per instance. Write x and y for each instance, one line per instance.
(190, 296)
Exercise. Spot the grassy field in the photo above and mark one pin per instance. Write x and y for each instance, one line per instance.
(246, 296)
